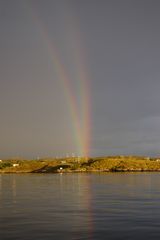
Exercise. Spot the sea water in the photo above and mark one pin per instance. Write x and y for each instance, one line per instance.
(80, 206)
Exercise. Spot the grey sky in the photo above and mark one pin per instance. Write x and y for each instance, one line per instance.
(118, 41)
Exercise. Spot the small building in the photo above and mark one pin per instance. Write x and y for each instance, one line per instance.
(15, 164)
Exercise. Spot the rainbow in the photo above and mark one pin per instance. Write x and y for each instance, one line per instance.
(79, 106)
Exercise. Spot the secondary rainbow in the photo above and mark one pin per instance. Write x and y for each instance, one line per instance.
(78, 103)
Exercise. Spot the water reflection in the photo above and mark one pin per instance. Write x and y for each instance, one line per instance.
(0, 184)
(14, 189)
(80, 206)
(75, 202)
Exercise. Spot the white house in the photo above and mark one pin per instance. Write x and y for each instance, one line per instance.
(15, 164)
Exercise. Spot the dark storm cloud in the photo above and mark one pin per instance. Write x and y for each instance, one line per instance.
(122, 53)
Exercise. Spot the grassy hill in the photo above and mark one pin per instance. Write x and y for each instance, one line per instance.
(107, 164)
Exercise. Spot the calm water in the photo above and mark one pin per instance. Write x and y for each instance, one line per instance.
(80, 206)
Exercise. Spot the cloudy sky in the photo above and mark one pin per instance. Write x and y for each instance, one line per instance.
(79, 76)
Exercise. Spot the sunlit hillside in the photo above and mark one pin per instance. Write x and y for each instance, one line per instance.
(104, 164)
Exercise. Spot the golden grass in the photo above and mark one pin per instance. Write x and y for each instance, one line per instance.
(117, 163)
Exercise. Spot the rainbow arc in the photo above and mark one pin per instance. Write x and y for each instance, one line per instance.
(78, 102)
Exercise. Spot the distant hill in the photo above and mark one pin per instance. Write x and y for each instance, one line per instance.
(75, 164)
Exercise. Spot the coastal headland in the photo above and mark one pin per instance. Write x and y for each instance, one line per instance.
(80, 164)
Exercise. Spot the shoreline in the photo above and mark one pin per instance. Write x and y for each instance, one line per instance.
(79, 171)
(81, 165)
